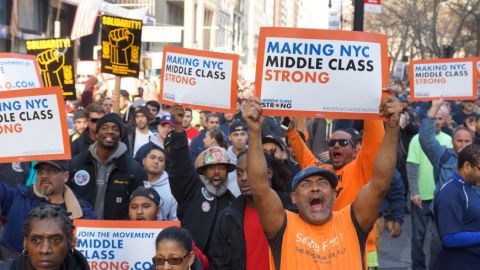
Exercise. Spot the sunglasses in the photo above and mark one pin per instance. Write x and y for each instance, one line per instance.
(94, 120)
(341, 142)
(172, 261)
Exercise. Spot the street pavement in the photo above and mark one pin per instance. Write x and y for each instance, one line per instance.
(395, 252)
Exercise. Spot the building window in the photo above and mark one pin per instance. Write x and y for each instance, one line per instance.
(32, 15)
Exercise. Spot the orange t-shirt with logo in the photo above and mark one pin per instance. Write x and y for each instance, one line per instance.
(336, 245)
(354, 175)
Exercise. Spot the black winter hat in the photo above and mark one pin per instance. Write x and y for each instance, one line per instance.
(113, 118)
(149, 192)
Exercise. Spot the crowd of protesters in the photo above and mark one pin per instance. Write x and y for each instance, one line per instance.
(253, 191)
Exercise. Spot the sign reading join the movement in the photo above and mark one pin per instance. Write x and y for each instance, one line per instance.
(33, 125)
(454, 79)
(55, 60)
(199, 79)
(321, 73)
(19, 71)
(109, 244)
(121, 44)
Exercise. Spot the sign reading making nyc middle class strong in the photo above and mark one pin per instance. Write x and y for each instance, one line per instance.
(451, 78)
(321, 73)
(199, 79)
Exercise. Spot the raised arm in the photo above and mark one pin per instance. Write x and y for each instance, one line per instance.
(426, 134)
(303, 154)
(372, 139)
(269, 205)
(183, 178)
(369, 200)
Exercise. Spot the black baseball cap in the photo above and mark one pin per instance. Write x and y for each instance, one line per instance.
(59, 164)
(273, 139)
(238, 126)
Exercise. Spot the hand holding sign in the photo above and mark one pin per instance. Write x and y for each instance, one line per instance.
(252, 114)
(390, 108)
(178, 113)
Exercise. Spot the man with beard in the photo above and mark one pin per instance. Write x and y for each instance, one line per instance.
(319, 237)
(201, 191)
(49, 188)
(238, 241)
(105, 174)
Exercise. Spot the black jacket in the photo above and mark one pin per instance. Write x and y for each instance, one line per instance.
(227, 249)
(227, 246)
(122, 181)
(197, 209)
(81, 143)
(73, 261)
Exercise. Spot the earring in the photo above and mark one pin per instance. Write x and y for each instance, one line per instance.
(25, 252)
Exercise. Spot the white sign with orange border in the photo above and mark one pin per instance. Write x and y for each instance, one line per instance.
(451, 78)
(199, 79)
(115, 244)
(19, 71)
(321, 73)
(33, 125)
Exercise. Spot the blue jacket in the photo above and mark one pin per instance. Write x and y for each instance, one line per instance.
(393, 206)
(16, 203)
(443, 159)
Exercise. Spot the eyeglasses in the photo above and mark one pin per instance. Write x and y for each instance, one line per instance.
(49, 171)
(341, 142)
(94, 120)
(172, 261)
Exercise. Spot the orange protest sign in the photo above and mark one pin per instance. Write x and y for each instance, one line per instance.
(199, 79)
(450, 78)
(33, 125)
(321, 73)
(19, 71)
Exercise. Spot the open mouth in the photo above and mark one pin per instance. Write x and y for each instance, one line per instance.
(216, 181)
(336, 156)
(317, 204)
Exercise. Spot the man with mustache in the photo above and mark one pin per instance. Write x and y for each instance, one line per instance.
(49, 188)
(353, 168)
(201, 190)
(319, 237)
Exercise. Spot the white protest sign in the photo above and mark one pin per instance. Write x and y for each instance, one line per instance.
(199, 79)
(451, 78)
(320, 73)
(109, 244)
(33, 125)
(19, 71)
